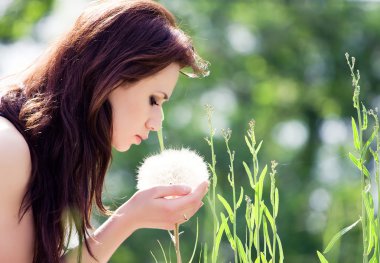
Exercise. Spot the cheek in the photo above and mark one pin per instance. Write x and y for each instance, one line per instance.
(121, 140)
(128, 120)
(121, 130)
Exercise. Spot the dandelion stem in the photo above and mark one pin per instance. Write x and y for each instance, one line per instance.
(176, 228)
(177, 250)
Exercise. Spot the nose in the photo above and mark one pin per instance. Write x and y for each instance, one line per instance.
(154, 123)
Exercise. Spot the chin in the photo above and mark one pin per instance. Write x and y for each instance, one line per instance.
(121, 148)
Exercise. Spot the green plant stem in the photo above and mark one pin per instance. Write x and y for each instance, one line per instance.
(355, 80)
(160, 139)
(363, 186)
(377, 173)
(274, 242)
(234, 225)
(215, 222)
(209, 111)
(231, 155)
(257, 204)
(274, 226)
(177, 250)
(377, 169)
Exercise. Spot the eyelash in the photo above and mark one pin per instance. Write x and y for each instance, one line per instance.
(153, 101)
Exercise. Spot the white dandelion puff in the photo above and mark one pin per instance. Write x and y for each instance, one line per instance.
(171, 167)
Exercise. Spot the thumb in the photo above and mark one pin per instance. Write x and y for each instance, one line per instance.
(170, 190)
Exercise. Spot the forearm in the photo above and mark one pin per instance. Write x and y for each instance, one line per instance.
(105, 240)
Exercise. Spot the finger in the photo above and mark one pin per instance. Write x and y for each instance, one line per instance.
(193, 199)
(201, 189)
(170, 190)
(186, 215)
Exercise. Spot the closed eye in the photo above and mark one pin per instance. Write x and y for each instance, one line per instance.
(153, 101)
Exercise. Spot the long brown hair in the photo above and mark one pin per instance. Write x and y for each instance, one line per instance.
(62, 111)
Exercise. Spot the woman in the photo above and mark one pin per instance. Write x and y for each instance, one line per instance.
(101, 86)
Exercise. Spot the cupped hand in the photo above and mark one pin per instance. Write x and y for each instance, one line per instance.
(151, 208)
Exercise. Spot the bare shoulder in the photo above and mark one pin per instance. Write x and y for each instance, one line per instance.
(15, 161)
(15, 171)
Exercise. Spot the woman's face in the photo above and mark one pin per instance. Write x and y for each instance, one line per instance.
(137, 108)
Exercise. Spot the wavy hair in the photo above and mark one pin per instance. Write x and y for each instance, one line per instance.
(64, 115)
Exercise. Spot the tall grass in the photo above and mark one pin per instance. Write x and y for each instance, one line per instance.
(370, 221)
(261, 242)
(257, 215)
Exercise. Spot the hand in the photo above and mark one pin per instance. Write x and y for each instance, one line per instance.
(150, 209)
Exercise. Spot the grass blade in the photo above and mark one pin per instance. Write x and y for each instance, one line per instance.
(228, 233)
(339, 235)
(155, 259)
(266, 236)
(359, 165)
(242, 254)
(249, 144)
(196, 242)
(365, 118)
(163, 251)
(263, 259)
(227, 207)
(368, 142)
(259, 147)
(240, 197)
(355, 134)
(321, 257)
(200, 254)
(205, 254)
(276, 202)
(281, 260)
(248, 171)
(219, 237)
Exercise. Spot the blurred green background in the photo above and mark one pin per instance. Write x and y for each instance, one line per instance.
(280, 62)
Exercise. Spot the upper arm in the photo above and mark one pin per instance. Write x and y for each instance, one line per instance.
(16, 237)
(15, 165)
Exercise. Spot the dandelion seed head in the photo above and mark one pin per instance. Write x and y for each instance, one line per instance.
(172, 166)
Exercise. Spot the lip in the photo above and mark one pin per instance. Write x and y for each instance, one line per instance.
(142, 137)
(139, 139)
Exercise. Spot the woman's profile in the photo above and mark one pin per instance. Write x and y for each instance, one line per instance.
(101, 85)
